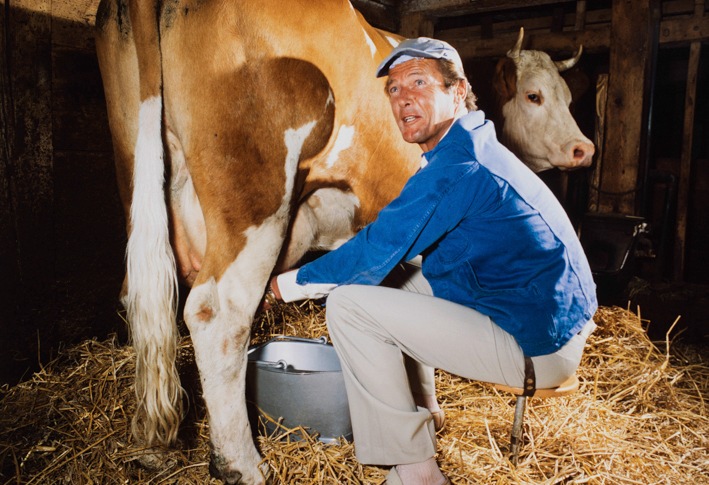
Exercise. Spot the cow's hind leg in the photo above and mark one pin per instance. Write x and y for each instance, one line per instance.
(246, 190)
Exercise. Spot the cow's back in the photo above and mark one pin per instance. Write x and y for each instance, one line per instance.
(266, 67)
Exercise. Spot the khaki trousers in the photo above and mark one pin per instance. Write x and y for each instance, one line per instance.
(390, 339)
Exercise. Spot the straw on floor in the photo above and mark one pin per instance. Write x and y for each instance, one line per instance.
(640, 418)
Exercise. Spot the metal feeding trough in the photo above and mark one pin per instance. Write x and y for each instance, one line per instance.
(298, 382)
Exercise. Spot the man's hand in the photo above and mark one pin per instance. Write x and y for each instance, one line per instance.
(272, 297)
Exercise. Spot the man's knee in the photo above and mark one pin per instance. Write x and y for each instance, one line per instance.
(338, 301)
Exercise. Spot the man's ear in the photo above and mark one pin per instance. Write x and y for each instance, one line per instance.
(462, 89)
(459, 90)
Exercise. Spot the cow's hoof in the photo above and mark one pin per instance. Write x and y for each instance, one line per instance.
(230, 477)
(218, 468)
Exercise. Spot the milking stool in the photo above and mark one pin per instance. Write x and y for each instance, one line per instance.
(569, 386)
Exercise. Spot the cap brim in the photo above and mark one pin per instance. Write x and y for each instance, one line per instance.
(384, 66)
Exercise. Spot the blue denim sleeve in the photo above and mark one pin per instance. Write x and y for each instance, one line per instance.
(404, 228)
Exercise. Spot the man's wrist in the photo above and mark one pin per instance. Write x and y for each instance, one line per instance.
(272, 297)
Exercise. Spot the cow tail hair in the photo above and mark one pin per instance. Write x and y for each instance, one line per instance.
(151, 291)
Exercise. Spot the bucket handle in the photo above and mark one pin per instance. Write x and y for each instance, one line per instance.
(322, 340)
(281, 364)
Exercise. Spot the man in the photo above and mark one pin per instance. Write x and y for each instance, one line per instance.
(504, 292)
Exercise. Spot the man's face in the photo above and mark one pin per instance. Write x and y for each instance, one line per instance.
(422, 106)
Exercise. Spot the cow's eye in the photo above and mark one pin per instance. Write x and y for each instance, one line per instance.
(534, 98)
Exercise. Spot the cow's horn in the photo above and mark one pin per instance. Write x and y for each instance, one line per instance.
(569, 63)
(514, 52)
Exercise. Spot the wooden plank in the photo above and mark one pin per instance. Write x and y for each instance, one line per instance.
(78, 103)
(683, 186)
(9, 250)
(593, 39)
(683, 30)
(461, 7)
(541, 24)
(31, 157)
(28, 158)
(630, 61)
(599, 137)
(75, 11)
(580, 22)
(416, 25)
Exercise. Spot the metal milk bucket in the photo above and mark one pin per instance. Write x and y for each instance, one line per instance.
(299, 380)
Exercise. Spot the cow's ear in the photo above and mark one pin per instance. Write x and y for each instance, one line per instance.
(505, 82)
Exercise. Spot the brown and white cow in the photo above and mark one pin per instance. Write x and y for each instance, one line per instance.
(534, 118)
(276, 141)
(276, 138)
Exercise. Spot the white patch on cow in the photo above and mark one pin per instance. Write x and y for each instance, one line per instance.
(345, 136)
(294, 140)
(334, 211)
(323, 221)
(330, 98)
(370, 43)
(193, 217)
(183, 197)
(220, 339)
(394, 42)
(254, 263)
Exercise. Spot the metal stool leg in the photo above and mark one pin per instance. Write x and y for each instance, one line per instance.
(516, 437)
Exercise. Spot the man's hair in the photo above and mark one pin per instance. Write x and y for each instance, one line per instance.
(452, 73)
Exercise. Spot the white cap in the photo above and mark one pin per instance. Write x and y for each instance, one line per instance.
(421, 47)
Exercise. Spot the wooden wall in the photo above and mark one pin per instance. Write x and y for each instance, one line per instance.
(61, 233)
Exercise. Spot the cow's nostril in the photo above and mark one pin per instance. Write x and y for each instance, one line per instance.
(582, 152)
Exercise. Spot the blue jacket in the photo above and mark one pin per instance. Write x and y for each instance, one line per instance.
(493, 237)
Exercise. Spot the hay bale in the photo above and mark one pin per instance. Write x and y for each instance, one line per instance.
(640, 417)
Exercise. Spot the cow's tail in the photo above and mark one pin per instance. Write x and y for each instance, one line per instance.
(151, 292)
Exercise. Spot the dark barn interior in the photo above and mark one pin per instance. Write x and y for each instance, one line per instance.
(640, 93)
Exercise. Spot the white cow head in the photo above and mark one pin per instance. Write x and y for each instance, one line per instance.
(534, 102)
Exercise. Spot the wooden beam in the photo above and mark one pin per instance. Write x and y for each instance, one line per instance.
(594, 38)
(683, 186)
(27, 126)
(599, 137)
(416, 25)
(580, 23)
(631, 49)
(462, 7)
(683, 30)
(9, 248)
